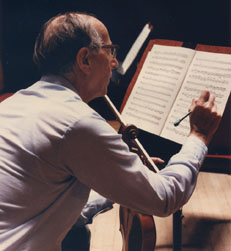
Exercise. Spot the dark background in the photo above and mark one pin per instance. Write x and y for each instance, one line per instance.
(195, 21)
(198, 21)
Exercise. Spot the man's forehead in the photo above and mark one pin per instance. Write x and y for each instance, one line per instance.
(101, 29)
(96, 23)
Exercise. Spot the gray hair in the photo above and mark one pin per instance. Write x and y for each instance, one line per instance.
(61, 38)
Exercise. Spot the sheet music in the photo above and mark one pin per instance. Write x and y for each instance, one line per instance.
(208, 71)
(157, 86)
(134, 49)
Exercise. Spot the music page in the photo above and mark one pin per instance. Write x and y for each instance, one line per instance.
(156, 87)
(208, 71)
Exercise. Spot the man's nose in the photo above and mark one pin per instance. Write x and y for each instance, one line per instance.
(114, 63)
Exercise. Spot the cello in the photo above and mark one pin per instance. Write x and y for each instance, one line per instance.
(138, 230)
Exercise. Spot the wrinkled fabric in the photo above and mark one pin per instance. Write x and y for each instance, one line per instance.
(95, 205)
(54, 149)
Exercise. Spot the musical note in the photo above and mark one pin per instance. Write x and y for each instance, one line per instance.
(156, 87)
(210, 73)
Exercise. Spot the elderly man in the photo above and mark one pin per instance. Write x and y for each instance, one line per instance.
(54, 148)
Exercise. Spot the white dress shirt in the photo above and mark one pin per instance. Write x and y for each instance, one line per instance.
(54, 149)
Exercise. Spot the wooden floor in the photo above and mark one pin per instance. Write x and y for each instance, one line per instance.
(206, 222)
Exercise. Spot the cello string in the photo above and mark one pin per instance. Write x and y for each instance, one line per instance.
(136, 141)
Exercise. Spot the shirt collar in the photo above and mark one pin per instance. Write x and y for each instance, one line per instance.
(56, 79)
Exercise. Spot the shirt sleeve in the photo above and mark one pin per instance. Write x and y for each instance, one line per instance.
(97, 156)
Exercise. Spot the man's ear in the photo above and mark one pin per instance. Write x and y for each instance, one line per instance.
(82, 60)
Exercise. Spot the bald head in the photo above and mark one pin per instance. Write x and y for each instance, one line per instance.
(62, 37)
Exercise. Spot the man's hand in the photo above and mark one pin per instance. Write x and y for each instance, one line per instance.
(204, 119)
(157, 160)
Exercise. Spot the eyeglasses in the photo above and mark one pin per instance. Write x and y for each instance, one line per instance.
(114, 48)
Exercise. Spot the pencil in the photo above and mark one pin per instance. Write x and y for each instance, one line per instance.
(176, 123)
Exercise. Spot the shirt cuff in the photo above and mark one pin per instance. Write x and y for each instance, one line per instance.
(96, 204)
(193, 146)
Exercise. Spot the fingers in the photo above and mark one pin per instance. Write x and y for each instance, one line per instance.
(214, 109)
(193, 104)
(157, 160)
(204, 97)
(204, 120)
(210, 102)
